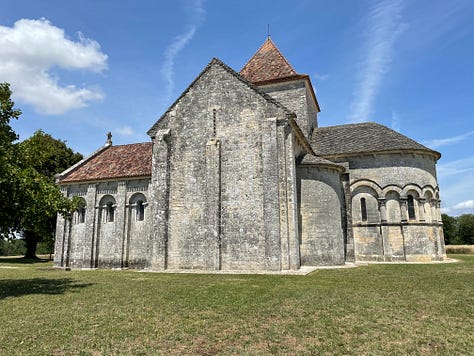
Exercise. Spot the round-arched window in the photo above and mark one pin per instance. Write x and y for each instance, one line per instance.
(138, 205)
(411, 207)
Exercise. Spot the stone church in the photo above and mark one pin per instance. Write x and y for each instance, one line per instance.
(238, 176)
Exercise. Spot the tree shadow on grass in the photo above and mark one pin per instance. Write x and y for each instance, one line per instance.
(21, 287)
(22, 260)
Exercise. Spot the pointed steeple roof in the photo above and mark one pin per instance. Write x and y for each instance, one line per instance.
(267, 64)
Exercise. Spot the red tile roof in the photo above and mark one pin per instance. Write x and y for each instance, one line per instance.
(113, 162)
(267, 64)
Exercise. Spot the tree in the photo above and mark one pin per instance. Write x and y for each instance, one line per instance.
(8, 162)
(30, 198)
(47, 155)
(43, 157)
(466, 228)
(450, 228)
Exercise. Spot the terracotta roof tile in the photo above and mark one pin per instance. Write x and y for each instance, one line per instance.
(122, 161)
(267, 64)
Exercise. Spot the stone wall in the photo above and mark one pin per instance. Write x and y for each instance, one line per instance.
(98, 241)
(226, 149)
(321, 200)
(390, 229)
(296, 96)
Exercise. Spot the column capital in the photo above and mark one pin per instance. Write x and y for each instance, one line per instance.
(161, 135)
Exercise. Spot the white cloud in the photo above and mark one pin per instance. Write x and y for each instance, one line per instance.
(468, 204)
(125, 131)
(179, 43)
(436, 143)
(384, 28)
(31, 48)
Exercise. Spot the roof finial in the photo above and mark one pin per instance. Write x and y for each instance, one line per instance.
(268, 31)
(109, 139)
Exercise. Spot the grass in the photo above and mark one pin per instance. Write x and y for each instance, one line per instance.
(375, 309)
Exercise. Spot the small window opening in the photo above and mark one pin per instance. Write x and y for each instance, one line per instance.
(140, 211)
(411, 207)
(81, 215)
(363, 209)
(214, 125)
(109, 212)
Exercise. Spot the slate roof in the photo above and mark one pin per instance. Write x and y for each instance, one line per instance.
(267, 64)
(367, 137)
(113, 162)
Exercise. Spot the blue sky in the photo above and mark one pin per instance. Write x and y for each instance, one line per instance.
(79, 69)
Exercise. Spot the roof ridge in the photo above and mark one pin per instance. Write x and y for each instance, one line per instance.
(82, 162)
(278, 52)
(267, 63)
(131, 144)
(281, 55)
(237, 75)
(253, 86)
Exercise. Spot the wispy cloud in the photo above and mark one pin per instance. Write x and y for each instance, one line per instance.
(456, 167)
(383, 29)
(440, 142)
(320, 77)
(396, 122)
(455, 179)
(179, 43)
(125, 131)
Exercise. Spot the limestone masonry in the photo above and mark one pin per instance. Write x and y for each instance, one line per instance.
(238, 176)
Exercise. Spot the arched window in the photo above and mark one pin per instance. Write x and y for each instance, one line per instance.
(138, 204)
(140, 210)
(363, 209)
(411, 207)
(107, 208)
(81, 215)
(109, 212)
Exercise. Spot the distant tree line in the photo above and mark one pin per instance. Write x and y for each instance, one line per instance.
(458, 230)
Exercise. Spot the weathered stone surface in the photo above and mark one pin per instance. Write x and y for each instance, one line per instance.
(235, 184)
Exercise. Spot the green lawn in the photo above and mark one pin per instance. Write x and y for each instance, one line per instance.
(375, 309)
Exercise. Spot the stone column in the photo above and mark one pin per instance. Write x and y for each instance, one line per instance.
(271, 211)
(60, 237)
(438, 211)
(421, 209)
(350, 247)
(121, 203)
(90, 199)
(213, 202)
(403, 209)
(96, 236)
(434, 212)
(67, 229)
(160, 181)
(293, 230)
(383, 209)
(282, 132)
